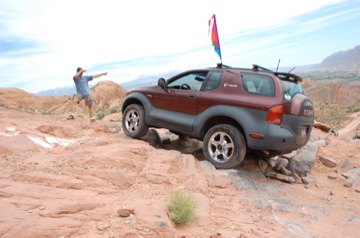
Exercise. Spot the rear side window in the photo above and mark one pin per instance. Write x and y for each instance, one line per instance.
(290, 89)
(258, 84)
(213, 80)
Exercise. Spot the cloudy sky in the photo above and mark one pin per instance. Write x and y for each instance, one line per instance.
(42, 42)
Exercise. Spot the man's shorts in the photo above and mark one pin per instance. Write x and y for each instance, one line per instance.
(88, 100)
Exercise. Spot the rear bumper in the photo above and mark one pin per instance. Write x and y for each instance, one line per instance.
(293, 134)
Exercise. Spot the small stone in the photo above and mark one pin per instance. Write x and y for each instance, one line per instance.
(328, 162)
(125, 212)
(357, 190)
(352, 173)
(102, 227)
(262, 165)
(308, 180)
(351, 181)
(281, 177)
(282, 163)
(42, 208)
(307, 186)
(332, 193)
(296, 178)
(333, 177)
(344, 163)
(285, 171)
(272, 161)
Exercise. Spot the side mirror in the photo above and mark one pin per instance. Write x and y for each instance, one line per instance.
(162, 83)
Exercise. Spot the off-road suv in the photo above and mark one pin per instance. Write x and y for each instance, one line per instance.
(232, 110)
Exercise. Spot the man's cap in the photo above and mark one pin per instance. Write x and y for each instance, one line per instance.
(78, 69)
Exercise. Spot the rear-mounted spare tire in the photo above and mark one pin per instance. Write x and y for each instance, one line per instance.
(224, 146)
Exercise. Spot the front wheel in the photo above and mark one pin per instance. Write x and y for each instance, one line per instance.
(224, 146)
(133, 121)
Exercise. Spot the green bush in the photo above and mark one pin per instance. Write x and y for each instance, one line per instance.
(100, 116)
(181, 207)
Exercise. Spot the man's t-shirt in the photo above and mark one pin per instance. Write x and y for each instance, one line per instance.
(82, 86)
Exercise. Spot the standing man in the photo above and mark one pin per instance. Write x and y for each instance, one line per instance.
(83, 92)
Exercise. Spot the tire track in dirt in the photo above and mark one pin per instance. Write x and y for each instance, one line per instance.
(351, 125)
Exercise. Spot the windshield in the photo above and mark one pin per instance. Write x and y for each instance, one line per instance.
(290, 89)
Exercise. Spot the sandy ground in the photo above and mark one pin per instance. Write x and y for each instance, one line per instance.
(64, 178)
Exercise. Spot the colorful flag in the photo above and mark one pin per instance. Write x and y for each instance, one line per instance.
(214, 36)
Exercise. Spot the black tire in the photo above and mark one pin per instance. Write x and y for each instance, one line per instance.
(224, 146)
(133, 121)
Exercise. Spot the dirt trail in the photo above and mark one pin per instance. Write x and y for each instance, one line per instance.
(355, 121)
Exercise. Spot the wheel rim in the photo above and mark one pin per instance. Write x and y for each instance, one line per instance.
(132, 120)
(221, 147)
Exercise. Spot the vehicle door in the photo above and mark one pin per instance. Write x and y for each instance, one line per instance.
(182, 92)
(175, 107)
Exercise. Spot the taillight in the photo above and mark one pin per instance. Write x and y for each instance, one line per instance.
(275, 115)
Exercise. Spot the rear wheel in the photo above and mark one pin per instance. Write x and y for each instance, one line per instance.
(133, 121)
(224, 146)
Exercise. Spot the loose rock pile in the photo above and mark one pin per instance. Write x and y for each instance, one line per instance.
(290, 168)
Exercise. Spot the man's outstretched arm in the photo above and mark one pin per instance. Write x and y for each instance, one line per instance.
(99, 75)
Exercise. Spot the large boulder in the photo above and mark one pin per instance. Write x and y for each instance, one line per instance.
(302, 163)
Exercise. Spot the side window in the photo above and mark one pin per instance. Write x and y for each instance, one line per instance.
(190, 81)
(213, 80)
(258, 84)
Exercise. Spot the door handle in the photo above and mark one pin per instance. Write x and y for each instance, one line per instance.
(192, 96)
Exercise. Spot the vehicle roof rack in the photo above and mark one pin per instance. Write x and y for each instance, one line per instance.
(282, 75)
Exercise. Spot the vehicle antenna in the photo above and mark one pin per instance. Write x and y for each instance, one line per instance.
(292, 69)
(278, 66)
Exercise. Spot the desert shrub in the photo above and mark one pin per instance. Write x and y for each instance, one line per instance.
(100, 116)
(3, 105)
(113, 110)
(181, 207)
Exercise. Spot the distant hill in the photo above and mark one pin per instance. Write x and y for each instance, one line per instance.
(63, 91)
(342, 67)
(348, 58)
